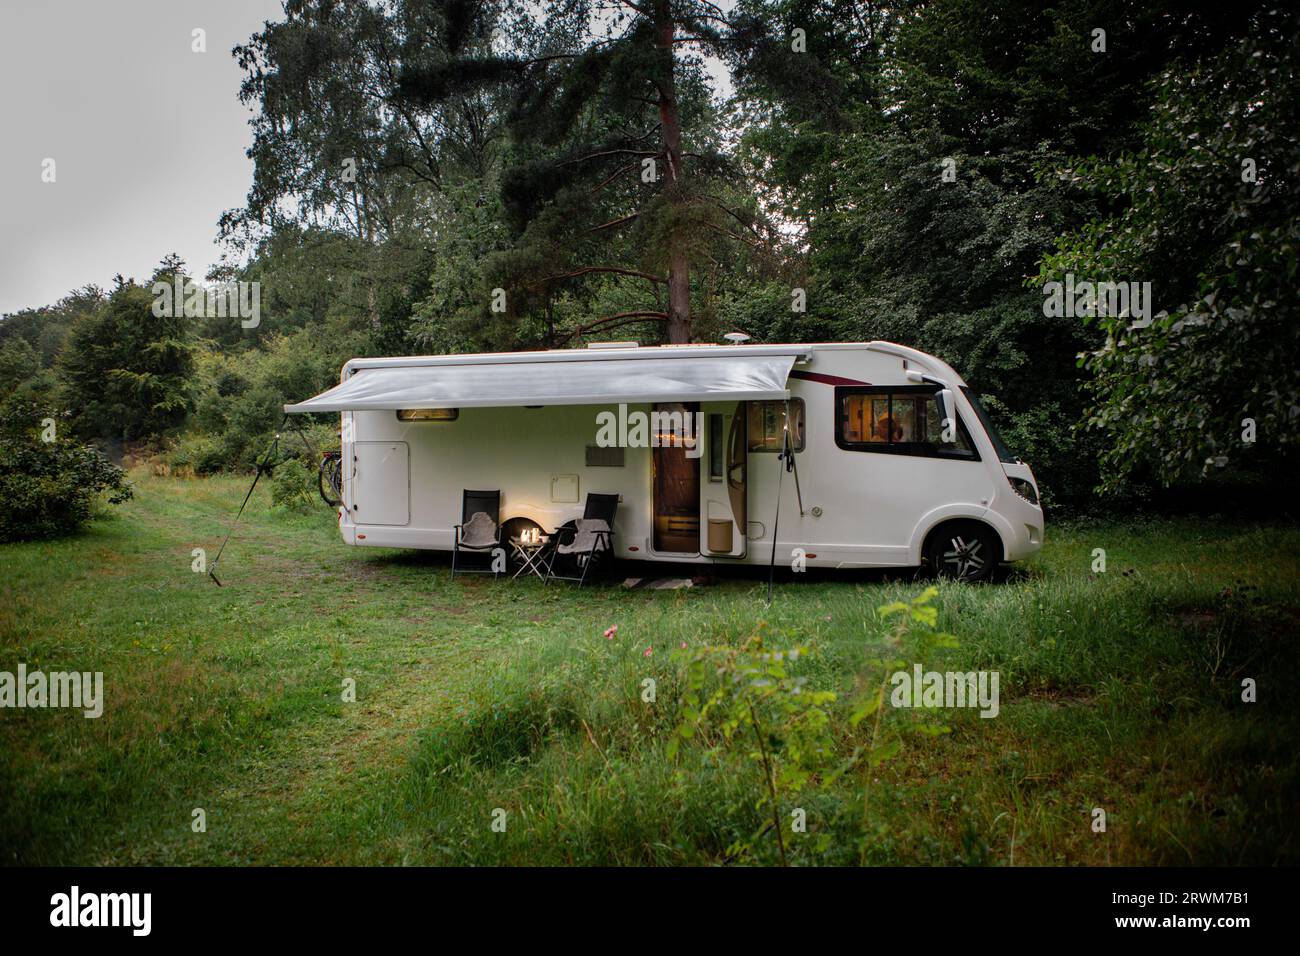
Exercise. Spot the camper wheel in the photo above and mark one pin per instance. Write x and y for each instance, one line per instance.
(964, 550)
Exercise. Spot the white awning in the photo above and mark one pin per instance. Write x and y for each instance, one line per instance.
(585, 382)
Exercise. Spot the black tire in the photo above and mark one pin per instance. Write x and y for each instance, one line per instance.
(329, 477)
(964, 551)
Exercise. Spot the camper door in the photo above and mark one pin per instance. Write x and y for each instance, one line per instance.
(724, 492)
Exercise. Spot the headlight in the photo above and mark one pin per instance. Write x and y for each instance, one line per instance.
(1025, 489)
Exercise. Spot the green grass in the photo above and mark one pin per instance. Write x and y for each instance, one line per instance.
(1119, 690)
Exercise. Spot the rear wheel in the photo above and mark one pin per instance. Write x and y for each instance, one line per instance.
(964, 551)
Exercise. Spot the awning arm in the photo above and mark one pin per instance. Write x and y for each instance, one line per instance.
(792, 464)
(776, 523)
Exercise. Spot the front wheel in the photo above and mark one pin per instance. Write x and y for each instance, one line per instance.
(964, 551)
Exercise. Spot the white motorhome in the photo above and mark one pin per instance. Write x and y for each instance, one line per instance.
(894, 463)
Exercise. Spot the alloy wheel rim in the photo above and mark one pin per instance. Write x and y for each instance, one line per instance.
(966, 558)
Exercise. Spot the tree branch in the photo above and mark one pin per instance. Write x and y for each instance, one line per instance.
(613, 176)
(732, 213)
(608, 152)
(616, 321)
(614, 222)
(754, 243)
(637, 7)
(588, 269)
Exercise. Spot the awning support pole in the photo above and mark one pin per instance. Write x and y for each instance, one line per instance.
(297, 426)
(263, 466)
(776, 518)
(791, 463)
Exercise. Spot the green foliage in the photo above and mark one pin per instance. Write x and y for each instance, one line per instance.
(581, 243)
(851, 137)
(1043, 436)
(239, 400)
(473, 696)
(49, 488)
(354, 293)
(293, 487)
(24, 378)
(18, 361)
(499, 148)
(333, 146)
(1221, 252)
(896, 250)
(45, 329)
(126, 371)
(466, 234)
(913, 640)
(734, 692)
(199, 454)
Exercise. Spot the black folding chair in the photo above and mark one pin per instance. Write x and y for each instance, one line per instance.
(586, 544)
(479, 531)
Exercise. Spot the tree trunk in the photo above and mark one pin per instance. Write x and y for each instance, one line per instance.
(372, 303)
(367, 230)
(679, 276)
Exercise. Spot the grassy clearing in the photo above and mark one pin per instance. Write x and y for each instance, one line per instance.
(1119, 690)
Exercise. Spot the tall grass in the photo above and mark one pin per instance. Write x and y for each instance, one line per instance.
(1119, 690)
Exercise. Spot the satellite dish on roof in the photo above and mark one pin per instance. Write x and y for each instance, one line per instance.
(735, 338)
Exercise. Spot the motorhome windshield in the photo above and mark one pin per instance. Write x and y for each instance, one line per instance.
(1004, 453)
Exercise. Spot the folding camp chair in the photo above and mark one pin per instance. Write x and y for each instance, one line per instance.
(479, 531)
(589, 542)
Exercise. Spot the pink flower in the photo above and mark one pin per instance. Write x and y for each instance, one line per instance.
(683, 645)
(648, 650)
(610, 632)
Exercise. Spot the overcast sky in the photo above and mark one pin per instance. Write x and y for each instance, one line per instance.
(148, 138)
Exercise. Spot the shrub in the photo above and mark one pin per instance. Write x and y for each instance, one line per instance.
(293, 487)
(49, 488)
(239, 405)
(202, 453)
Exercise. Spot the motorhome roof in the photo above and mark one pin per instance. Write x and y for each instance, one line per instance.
(802, 353)
(620, 353)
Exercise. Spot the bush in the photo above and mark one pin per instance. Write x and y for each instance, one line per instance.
(293, 487)
(240, 402)
(1064, 459)
(201, 453)
(49, 488)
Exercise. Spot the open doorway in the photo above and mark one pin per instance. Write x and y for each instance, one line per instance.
(676, 484)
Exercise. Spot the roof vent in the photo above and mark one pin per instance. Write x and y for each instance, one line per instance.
(735, 338)
(613, 345)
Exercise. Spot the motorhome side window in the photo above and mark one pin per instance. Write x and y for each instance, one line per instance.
(428, 414)
(902, 420)
(766, 420)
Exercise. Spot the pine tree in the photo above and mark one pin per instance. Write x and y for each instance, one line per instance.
(126, 370)
(615, 165)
